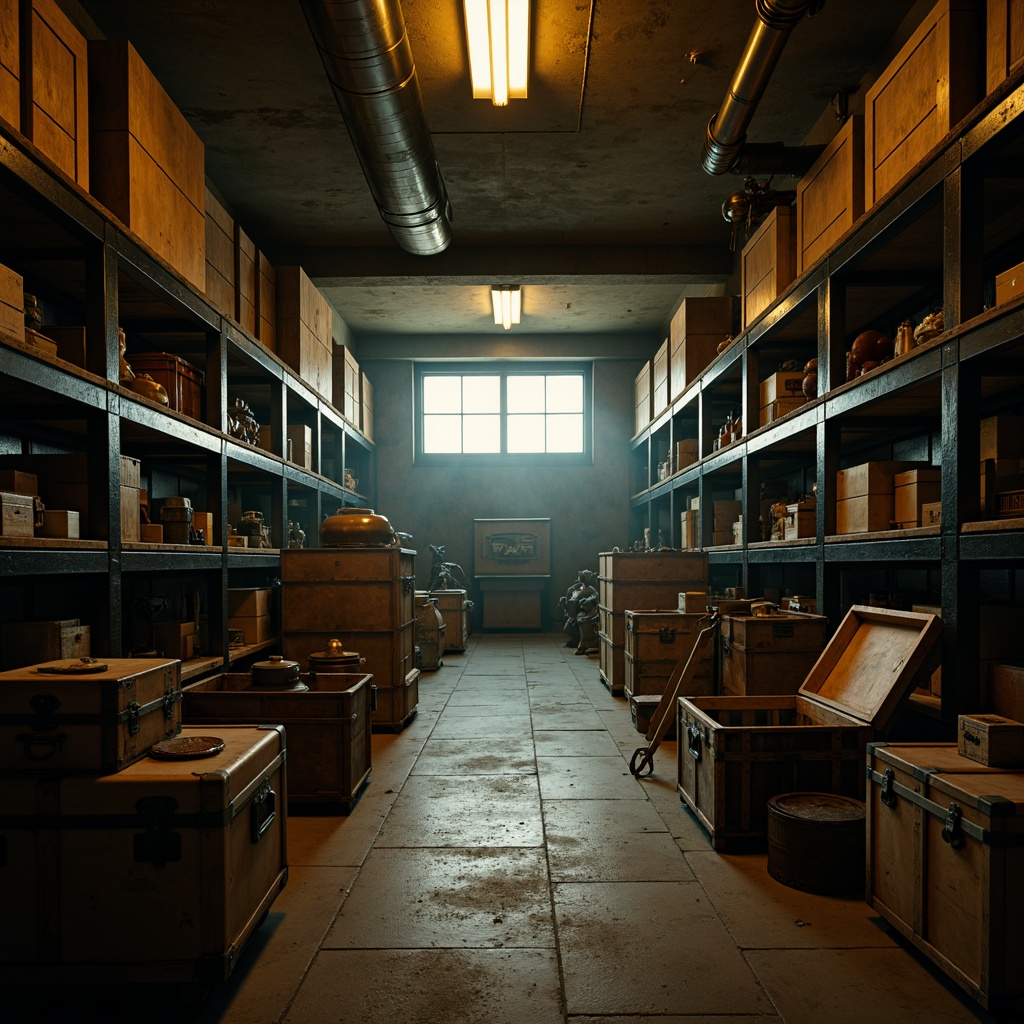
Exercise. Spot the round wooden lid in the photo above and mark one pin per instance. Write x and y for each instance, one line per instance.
(823, 808)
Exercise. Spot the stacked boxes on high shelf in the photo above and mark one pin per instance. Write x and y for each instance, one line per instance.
(659, 380)
(1002, 466)
(768, 262)
(866, 496)
(304, 329)
(698, 328)
(781, 393)
(689, 523)
(347, 384)
(912, 490)
(251, 615)
(726, 514)
(642, 398)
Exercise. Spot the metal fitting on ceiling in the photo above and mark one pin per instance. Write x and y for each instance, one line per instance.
(727, 130)
(368, 60)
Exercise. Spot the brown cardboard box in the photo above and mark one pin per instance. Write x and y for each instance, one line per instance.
(19, 481)
(768, 262)
(913, 489)
(220, 255)
(931, 513)
(60, 523)
(830, 196)
(870, 478)
(245, 276)
(866, 513)
(266, 286)
(366, 407)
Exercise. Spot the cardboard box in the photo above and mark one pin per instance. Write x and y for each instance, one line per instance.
(871, 478)
(768, 262)
(642, 397)
(779, 408)
(247, 602)
(912, 489)
(1009, 284)
(697, 328)
(19, 481)
(1002, 437)
(55, 102)
(245, 278)
(147, 163)
(830, 196)
(60, 523)
(928, 87)
(256, 629)
(931, 513)
(782, 384)
(686, 452)
(12, 304)
(991, 740)
(17, 515)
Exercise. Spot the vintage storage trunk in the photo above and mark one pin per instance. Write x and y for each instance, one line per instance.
(87, 721)
(328, 729)
(194, 852)
(17, 515)
(735, 753)
(991, 740)
(929, 86)
(659, 380)
(30, 643)
(768, 654)
(768, 263)
(830, 196)
(146, 162)
(55, 100)
(1004, 37)
(698, 327)
(642, 398)
(10, 63)
(631, 579)
(945, 850)
(655, 642)
(363, 596)
(455, 611)
(183, 381)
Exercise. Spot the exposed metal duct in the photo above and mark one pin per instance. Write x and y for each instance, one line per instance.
(366, 53)
(727, 131)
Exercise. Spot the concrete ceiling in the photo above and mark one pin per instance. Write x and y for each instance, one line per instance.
(589, 193)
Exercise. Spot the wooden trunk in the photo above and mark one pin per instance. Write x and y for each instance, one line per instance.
(455, 611)
(363, 596)
(29, 643)
(655, 642)
(735, 753)
(929, 86)
(830, 196)
(945, 844)
(768, 654)
(328, 729)
(768, 263)
(93, 722)
(182, 381)
(193, 852)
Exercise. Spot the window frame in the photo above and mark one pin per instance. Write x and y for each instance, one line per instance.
(504, 369)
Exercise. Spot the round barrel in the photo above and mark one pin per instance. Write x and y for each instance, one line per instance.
(816, 843)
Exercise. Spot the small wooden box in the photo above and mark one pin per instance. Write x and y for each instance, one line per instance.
(60, 523)
(869, 513)
(366, 407)
(175, 639)
(130, 515)
(931, 513)
(300, 438)
(55, 104)
(151, 533)
(686, 452)
(95, 722)
(12, 304)
(698, 327)
(779, 408)
(256, 629)
(249, 601)
(945, 843)
(18, 481)
(913, 489)
(245, 278)
(642, 397)
(659, 380)
(741, 751)
(1004, 689)
(1002, 437)
(203, 521)
(830, 196)
(10, 62)
(1010, 283)
(346, 383)
(768, 654)
(131, 472)
(1004, 38)
(455, 611)
(768, 262)
(787, 384)
(991, 740)
(17, 515)
(70, 342)
(30, 643)
(182, 380)
(198, 846)
(929, 86)
(800, 522)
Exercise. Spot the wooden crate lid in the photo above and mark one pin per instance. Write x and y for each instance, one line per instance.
(922, 760)
(870, 664)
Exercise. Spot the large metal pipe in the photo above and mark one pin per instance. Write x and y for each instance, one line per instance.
(366, 53)
(727, 130)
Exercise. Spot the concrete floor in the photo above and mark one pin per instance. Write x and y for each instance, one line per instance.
(504, 867)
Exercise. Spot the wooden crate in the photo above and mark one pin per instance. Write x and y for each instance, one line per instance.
(735, 753)
(991, 740)
(366, 407)
(659, 380)
(12, 304)
(220, 256)
(182, 381)
(198, 848)
(328, 729)
(768, 654)
(455, 611)
(10, 62)
(928, 87)
(346, 383)
(642, 398)
(698, 327)
(303, 329)
(30, 643)
(865, 496)
(945, 844)
(830, 196)
(768, 263)
(1004, 40)
(655, 642)
(17, 515)
(244, 251)
(146, 161)
(266, 288)
(912, 490)
(55, 105)
(94, 722)
(784, 384)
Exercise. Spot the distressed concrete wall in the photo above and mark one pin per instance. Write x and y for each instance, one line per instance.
(588, 505)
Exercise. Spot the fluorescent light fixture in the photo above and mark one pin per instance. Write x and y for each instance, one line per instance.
(498, 33)
(507, 303)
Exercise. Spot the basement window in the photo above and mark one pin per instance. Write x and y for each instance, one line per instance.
(538, 413)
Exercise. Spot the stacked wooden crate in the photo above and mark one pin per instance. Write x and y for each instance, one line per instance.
(768, 654)
(347, 384)
(304, 329)
(642, 398)
(698, 327)
(366, 407)
(220, 255)
(638, 580)
(266, 290)
(146, 162)
(768, 263)
(10, 62)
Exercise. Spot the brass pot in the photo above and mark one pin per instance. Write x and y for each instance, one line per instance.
(356, 527)
(278, 674)
(334, 659)
(145, 386)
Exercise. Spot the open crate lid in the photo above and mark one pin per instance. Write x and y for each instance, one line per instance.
(870, 664)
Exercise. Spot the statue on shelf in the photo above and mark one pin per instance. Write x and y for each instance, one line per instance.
(296, 535)
(444, 575)
(570, 604)
(242, 423)
(586, 620)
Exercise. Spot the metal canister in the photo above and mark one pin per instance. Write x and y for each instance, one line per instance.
(334, 658)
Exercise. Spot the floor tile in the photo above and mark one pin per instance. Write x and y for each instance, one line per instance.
(574, 743)
(419, 898)
(650, 947)
(487, 810)
(587, 778)
(506, 754)
(573, 717)
(431, 986)
(486, 722)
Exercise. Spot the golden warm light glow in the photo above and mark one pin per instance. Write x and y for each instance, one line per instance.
(498, 34)
(507, 303)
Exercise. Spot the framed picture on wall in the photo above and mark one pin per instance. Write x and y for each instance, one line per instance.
(511, 547)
